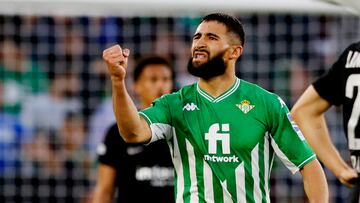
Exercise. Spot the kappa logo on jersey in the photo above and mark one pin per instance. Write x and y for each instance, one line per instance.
(190, 107)
(295, 127)
(245, 106)
(353, 60)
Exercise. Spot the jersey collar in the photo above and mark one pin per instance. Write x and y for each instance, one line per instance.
(222, 96)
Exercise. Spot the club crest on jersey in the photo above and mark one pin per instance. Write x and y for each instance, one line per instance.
(245, 106)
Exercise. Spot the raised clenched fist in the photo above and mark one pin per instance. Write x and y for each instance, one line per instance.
(116, 60)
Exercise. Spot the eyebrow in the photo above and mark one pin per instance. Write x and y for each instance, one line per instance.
(212, 35)
(207, 34)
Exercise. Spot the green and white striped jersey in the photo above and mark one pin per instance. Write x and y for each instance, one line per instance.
(223, 148)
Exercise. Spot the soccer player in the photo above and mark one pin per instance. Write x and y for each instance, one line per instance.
(223, 132)
(134, 167)
(339, 86)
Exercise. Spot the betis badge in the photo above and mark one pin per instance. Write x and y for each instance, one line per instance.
(245, 106)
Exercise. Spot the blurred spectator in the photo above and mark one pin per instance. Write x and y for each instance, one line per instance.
(72, 135)
(101, 120)
(110, 32)
(48, 110)
(292, 78)
(41, 154)
(102, 117)
(57, 161)
(69, 39)
(171, 44)
(11, 135)
(76, 161)
(39, 169)
(21, 77)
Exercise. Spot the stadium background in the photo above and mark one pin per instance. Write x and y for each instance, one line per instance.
(55, 94)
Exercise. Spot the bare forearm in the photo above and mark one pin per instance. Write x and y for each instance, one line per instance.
(102, 196)
(131, 126)
(308, 113)
(316, 133)
(315, 184)
(105, 184)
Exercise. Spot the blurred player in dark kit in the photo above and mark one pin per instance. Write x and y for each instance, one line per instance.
(339, 86)
(136, 167)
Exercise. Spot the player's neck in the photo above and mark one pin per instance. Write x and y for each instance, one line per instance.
(217, 85)
(145, 104)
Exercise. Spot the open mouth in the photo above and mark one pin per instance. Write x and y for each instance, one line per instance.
(200, 56)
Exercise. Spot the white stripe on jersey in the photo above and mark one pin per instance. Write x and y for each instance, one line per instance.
(255, 173)
(229, 92)
(226, 195)
(161, 131)
(266, 167)
(302, 163)
(203, 93)
(225, 95)
(178, 166)
(146, 117)
(240, 183)
(283, 157)
(192, 170)
(208, 183)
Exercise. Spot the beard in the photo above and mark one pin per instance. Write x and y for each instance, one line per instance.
(212, 68)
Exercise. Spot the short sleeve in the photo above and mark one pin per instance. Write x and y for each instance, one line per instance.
(158, 117)
(287, 140)
(112, 150)
(330, 86)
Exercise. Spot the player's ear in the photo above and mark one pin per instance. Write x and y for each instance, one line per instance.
(236, 51)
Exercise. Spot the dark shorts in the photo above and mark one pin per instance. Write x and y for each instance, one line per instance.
(355, 193)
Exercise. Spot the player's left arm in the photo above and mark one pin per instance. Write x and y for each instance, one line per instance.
(314, 180)
(293, 150)
(309, 114)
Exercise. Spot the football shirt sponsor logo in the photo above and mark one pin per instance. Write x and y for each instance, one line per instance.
(222, 135)
(353, 60)
(213, 136)
(158, 176)
(225, 159)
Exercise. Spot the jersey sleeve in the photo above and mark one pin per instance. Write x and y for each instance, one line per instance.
(112, 150)
(158, 117)
(286, 138)
(330, 86)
